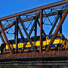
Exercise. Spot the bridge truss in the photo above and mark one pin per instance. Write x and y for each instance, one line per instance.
(34, 18)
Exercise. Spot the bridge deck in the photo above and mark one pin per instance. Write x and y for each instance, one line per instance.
(36, 58)
(51, 54)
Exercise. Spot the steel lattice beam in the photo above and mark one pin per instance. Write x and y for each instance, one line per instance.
(58, 27)
(54, 25)
(32, 18)
(16, 34)
(36, 17)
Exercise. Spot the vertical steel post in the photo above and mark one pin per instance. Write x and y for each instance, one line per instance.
(57, 29)
(41, 26)
(5, 37)
(61, 25)
(16, 34)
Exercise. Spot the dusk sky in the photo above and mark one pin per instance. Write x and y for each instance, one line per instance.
(8, 7)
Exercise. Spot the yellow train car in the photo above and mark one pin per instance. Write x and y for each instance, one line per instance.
(59, 42)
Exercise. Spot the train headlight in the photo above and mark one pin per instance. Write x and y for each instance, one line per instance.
(55, 45)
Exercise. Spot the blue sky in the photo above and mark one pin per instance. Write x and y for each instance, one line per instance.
(8, 7)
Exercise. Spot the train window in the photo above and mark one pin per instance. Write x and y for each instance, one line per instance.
(58, 36)
(50, 37)
(38, 38)
(44, 39)
(63, 36)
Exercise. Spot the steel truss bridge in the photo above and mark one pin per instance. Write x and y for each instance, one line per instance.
(34, 18)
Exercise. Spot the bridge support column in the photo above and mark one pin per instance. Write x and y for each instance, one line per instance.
(41, 26)
(16, 34)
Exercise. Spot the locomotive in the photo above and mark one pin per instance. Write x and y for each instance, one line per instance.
(59, 42)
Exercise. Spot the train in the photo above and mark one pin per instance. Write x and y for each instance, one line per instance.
(59, 43)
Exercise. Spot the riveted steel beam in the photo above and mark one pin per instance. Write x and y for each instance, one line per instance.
(57, 29)
(5, 37)
(35, 9)
(16, 34)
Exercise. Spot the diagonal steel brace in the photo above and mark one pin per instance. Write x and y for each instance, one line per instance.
(28, 35)
(57, 29)
(54, 25)
(2, 38)
(7, 42)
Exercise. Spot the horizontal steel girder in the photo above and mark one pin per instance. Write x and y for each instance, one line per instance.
(35, 55)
